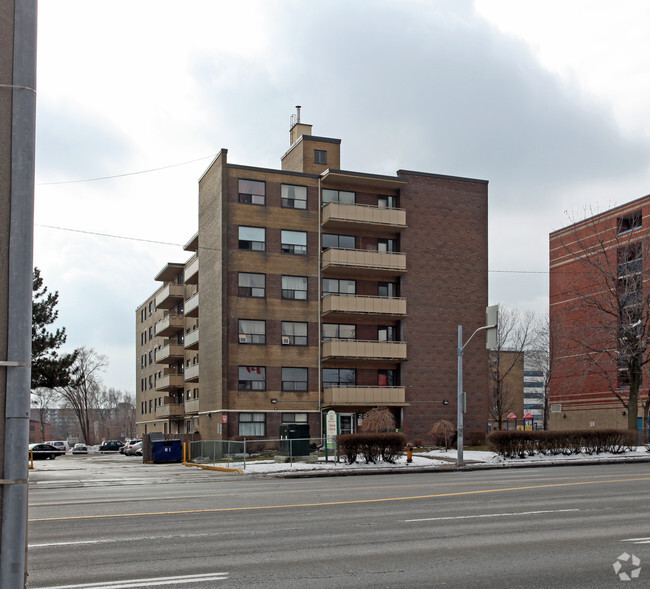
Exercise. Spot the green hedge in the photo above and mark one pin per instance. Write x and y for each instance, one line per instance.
(511, 444)
(372, 446)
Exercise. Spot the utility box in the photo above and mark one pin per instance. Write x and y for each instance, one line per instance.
(294, 439)
(167, 451)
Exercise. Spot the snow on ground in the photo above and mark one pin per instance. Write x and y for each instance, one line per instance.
(432, 459)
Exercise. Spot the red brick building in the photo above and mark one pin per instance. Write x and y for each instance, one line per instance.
(599, 319)
(320, 289)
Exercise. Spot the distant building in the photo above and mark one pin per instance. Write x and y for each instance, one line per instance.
(534, 379)
(320, 290)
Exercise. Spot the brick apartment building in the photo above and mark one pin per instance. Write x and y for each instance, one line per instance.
(320, 289)
(598, 310)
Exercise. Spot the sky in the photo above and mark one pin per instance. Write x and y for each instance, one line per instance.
(545, 99)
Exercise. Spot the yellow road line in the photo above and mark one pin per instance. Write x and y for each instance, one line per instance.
(329, 503)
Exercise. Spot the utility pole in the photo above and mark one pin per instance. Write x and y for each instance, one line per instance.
(17, 139)
(491, 322)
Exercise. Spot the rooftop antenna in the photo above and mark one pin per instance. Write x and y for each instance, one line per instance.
(295, 118)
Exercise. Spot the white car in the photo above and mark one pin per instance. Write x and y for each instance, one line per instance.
(133, 447)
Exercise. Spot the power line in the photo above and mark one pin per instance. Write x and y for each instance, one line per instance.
(125, 174)
(126, 237)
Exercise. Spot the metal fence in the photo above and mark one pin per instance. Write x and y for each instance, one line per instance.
(235, 453)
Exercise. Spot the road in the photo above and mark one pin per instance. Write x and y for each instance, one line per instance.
(115, 523)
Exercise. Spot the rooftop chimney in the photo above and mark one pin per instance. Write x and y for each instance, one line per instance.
(297, 129)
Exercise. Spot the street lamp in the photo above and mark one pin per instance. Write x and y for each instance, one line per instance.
(491, 322)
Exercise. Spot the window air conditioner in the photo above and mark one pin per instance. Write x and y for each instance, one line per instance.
(243, 338)
(286, 340)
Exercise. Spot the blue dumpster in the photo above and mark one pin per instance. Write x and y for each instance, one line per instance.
(167, 451)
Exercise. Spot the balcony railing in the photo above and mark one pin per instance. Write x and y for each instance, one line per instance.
(169, 325)
(170, 382)
(364, 396)
(364, 305)
(192, 339)
(338, 215)
(192, 306)
(192, 272)
(363, 262)
(192, 372)
(364, 350)
(169, 353)
(171, 409)
(192, 406)
(170, 296)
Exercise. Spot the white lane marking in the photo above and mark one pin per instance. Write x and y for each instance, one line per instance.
(430, 519)
(637, 540)
(119, 540)
(153, 582)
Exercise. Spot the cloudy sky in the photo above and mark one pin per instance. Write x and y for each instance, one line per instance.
(546, 99)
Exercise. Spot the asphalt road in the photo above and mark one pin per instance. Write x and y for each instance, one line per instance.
(112, 522)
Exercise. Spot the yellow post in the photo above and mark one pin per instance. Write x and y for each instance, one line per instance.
(31, 459)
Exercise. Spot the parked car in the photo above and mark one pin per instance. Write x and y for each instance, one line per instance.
(127, 443)
(111, 446)
(43, 451)
(80, 449)
(61, 445)
(132, 448)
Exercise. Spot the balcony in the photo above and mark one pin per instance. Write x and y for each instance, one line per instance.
(364, 350)
(192, 406)
(192, 272)
(192, 340)
(192, 306)
(369, 219)
(170, 409)
(169, 325)
(362, 263)
(350, 305)
(170, 382)
(169, 354)
(192, 372)
(170, 296)
(364, 396)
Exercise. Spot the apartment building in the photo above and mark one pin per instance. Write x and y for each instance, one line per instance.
(599, 320)
(320, 290)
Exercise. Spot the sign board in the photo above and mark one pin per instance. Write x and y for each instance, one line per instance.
(224, 418)
(331, 429)
(491, 322)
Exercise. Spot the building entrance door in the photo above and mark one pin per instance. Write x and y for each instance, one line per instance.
(347, 423)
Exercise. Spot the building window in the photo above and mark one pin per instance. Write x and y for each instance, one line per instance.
(329, 240)
(387, 202)
(294, 333)
(252, 424)
(252, 285)
(294, 287)
(143, 360)
(386, 245)
(150, 307)
(339, 286)
(252, 331)
(151, 381)
(339, 377)
(342, 196)
(252, 378)
(150, 357)
(387, 378)
(387, 333)
(294, 197)
(336, 331)
(320, 156)
(387, 289)
(252, 238)
(143, 315)
(252, 192)
(628, 222)
(294, 418)
(294, 379)
(294, 242)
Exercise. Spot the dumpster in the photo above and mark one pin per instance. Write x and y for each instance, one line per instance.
(294, 439)
(167, 451)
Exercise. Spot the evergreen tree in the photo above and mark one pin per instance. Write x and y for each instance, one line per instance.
(49, 368)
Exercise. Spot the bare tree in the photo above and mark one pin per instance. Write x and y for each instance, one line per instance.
(83, 391)
(42, 399)
(609, 315)
(542, 357)
(379, 419)
(513, 338)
